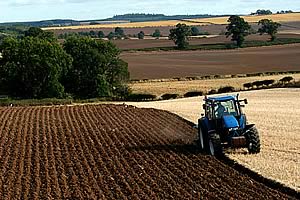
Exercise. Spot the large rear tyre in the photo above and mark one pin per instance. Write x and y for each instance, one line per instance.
(214, 146)
(253, 141)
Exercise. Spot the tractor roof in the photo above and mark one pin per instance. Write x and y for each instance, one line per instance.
(222, 98)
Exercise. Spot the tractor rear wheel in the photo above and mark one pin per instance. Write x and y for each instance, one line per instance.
(214, 146)
(253, 141)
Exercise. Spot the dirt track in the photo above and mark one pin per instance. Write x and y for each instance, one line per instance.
(111, 152)
(154, 65)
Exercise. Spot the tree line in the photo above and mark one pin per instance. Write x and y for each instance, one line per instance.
(119, 33)
(269, 12)
(237, 28)
(38, 66)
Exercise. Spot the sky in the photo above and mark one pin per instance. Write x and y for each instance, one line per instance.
(35, 10)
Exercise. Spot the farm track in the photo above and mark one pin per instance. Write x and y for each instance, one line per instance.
(111, 152)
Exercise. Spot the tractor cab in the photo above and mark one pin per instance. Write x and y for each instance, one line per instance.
(225, 112)
(224, 119)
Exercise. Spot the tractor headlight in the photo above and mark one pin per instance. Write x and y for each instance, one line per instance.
(233, 129)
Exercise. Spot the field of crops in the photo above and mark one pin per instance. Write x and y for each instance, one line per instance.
(111, 152)
(276, 114)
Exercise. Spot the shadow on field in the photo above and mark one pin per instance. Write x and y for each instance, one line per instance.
(188, 149)
(259, 178)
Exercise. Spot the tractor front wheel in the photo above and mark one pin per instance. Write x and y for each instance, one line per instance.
(253, 141)
(214, 146)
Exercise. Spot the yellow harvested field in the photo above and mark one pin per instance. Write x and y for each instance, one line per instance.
(291, 17)
(276, 114)
(126, 25)
(182, 87)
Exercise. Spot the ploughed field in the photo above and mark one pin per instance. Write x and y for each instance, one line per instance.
(156, 65)
(111, 152)
(201, 40)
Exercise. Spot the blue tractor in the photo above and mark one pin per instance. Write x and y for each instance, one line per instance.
(225, 125)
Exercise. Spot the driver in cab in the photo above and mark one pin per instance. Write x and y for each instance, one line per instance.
(220, 110)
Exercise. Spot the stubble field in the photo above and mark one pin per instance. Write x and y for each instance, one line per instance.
(111, 152)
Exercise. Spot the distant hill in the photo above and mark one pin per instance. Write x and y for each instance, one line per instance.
(126, 17)
(45, 23)
(157, 17)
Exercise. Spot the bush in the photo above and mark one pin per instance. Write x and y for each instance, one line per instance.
(286, 79)
(141, 97)
(169, 96)
(213, 91)
(268, 82)
(257, 83)
(248, 85)
(193, 94)
(226, 89)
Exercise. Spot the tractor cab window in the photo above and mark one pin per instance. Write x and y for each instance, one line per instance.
(225, 108)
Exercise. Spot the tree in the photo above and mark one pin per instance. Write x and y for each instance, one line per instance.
(33, 67)
(92, 34)
(262, 12)
(238, 28)
(141, 35)
(156, 33)
(111, 36)
(119, 32)
(180, 35)
(39, 33)
(269, 27)
(101, 34)
(97, 70)
(195, 31)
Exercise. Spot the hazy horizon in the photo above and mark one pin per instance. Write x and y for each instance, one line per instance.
(33, 10)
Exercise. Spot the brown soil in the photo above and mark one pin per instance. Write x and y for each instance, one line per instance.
(111, 152)
(155, 65)
(151, 43)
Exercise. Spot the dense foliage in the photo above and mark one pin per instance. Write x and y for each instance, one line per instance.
(37, 66)
(33, 68)
(97, 71)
